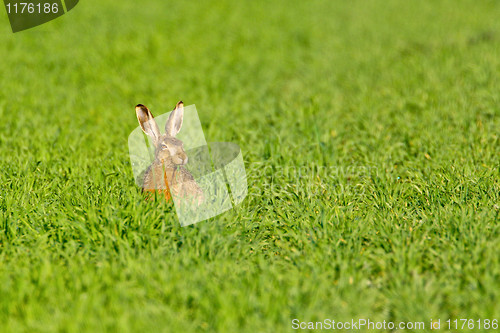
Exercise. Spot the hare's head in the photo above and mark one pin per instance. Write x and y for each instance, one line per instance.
(168, 149)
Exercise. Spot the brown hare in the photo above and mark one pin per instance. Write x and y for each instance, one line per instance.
(167, 174)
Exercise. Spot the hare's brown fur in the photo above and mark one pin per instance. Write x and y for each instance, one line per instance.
(176, 181)
(167, 173)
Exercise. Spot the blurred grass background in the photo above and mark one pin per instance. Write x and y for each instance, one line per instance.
(389, 109)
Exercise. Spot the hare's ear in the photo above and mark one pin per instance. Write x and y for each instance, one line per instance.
(147, 122)
(174, 122)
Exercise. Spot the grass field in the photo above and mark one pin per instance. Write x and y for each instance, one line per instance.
(370, 135)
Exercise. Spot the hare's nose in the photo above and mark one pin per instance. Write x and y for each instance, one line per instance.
(185, 160)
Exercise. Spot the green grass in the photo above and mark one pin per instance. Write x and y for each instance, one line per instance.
(390, 111)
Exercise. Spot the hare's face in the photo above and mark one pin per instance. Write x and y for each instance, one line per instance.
(171, 151)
